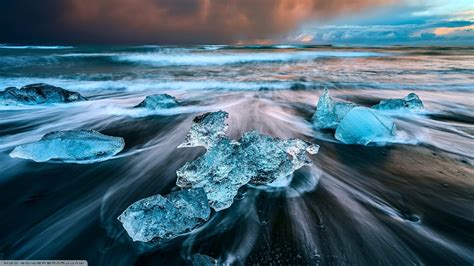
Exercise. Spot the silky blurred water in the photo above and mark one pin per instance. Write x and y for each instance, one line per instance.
(408, 202)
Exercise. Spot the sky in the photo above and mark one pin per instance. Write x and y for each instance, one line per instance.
(346, 22)
(437, 22)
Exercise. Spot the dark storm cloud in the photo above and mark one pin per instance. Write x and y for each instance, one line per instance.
(161, 21)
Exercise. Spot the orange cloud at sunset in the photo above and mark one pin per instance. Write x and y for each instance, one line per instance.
(194, 21)
(450, 30)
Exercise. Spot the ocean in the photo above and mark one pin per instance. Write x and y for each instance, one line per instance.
(407, 202)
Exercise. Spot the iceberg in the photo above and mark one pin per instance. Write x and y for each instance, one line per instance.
(72, 146)
(363, 125)
(411, 102)
(39, 93)
(159, 218)
(329, 112)
(158, 101)
(228, 164)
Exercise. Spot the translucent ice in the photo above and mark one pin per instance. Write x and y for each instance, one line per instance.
(207, 129)
(158, 101)
(363, 125)
(272, 158)
(411, 102)
(228, 164)
(217, 173)
(73, 146)
(40, 93)
(329, 112)
(159, 218)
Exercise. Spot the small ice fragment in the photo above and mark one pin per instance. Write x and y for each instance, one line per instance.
(72, 146)
(313, 149)
(329, 112)
(363, 125)
(203, 260)
(411, 102)
(206, 130)
(228, 164)
(159, 218)
(158, 101)
(39, 93)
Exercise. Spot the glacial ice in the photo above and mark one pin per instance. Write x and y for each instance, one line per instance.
(72, 146)
(207, 129)
(158, 101)
(363, 125)
(329, 112)
(158, 218)
(203, 260)
(411, 102)
(39, 93)
(228, 164)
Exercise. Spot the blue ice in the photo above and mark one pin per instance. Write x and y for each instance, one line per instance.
(39, 93)
(410, 102)
(158, 218)
(229, 164)
(158, 101)
(72, 146)
(330, 112)
(363, 125)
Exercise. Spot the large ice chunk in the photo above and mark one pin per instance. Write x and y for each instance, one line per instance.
(329, 112)
(272, 158)
(411, 102)
(228, 164)
(207, 129)
(159, 218)
(363, 125)
(217, 172)
(39, 93)
(72, 146)
(158, 101)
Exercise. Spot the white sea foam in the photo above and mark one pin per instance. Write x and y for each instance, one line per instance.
(141, 85)
(214, 47)
(285, 46)
(198, 59)
(34, 47)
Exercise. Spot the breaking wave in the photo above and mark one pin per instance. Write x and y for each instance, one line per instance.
(164, 59)
(4, 46)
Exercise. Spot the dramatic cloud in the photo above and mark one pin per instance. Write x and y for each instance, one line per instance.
(162, 21)
(436, 22)
(391, 34)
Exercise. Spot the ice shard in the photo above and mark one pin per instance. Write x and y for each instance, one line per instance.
(363, 125)
(207, 130)
(411, 102)
(228, 164)
(329, 112)
(39, 93)
(158, 101)
(158, 218)
(272, 158)
(72, 146)
(217, 172)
